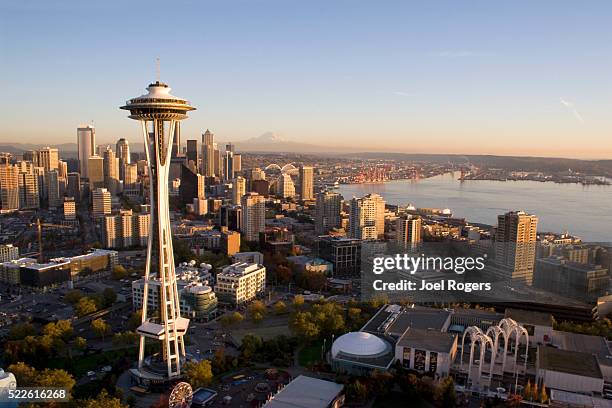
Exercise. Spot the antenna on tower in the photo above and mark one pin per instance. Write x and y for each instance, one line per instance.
(157, 69)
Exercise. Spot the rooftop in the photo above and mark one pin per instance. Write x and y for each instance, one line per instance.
(530, 317)
(570, 362)
(431, 340)
(306, 392)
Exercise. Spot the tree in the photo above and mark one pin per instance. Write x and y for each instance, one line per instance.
(108, 297)
(280, 307)
(62, 329)
(357, 391)
(20, 331)
(100, 327)
(55, 378)
(447, 396)
(303, 326)
(231, 319)
(80, 343)
(250, 346)
(257, 306)
(283, 274)
(85, 306)
(298, 301)
(199, 373)
(73, 296)
(135, 320)
(24, 374)
(103, 400)
(119, 272)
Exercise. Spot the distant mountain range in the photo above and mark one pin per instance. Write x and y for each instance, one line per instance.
(271, 142)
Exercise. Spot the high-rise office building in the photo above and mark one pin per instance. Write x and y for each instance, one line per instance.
(73, 187)
(343, 253)
(86, 145)
(253, 215)
(208, 154)
(228, 165)
(9, 187)
(284, 186)
(111, 171)
(515, 245)
(327, 212)
(192, 152)
(130, 180)
(101, 202)
(176, 141)
(48, 158)
(54, 198)
(123, 154)
(238, 189)
(29, 198)
(408, 230)
(95, 172)
(237, 163)
(367, 217)
(306, 182)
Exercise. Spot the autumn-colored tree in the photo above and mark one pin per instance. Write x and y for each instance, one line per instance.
(199, 373)
(298, 301)
(85, 306)
(280, 307)
(100, 327)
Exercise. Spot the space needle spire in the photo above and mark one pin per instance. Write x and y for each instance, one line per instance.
(159, 113)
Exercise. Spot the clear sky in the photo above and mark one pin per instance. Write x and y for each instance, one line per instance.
(520, 77)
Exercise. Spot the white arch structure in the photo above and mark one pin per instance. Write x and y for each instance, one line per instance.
(510, 327)
(506, 328)
(477, 336)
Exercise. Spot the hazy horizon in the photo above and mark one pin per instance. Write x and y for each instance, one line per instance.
(520, 79)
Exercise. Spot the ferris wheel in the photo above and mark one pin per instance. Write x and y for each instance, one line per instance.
(181, 396)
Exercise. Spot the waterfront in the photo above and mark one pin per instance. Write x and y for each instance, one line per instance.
(585, 211)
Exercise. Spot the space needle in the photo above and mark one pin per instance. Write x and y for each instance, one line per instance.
(159, 114)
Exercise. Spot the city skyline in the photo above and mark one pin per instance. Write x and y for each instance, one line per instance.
(510, 84)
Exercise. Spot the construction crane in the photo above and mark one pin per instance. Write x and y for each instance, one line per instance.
(39, 227)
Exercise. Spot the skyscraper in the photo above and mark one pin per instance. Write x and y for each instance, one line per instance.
(101, 202)
(327, 212)
(408, 230)
(86, 145)
(53, 189)
(192, 152)
(228, 165)
(367, 217)
(95, 171)
(237, 163)
(111, 171)
(285, 187)
(306, 183)
(9, 187)
(28, 191)
(73, 188)
(238, 189)
(123, 154)
(48, 158)
(208, 154)
(158, 113)
(253, 216)
(515, 245)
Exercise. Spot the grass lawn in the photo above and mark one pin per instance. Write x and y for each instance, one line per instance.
(264, 331)
(310, 354)
(398, 400)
